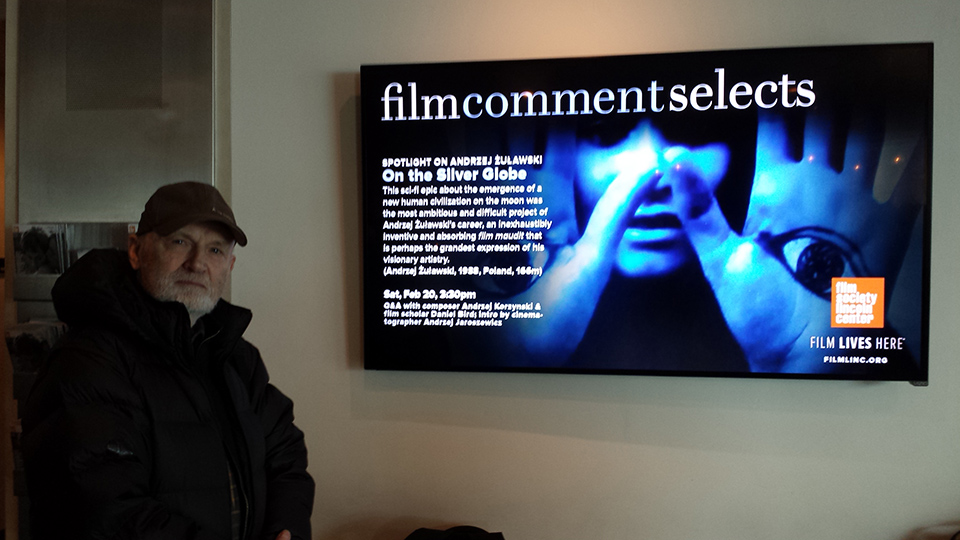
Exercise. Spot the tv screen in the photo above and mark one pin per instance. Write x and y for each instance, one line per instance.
(753, 213)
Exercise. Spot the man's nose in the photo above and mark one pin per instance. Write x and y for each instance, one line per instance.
(195, 261)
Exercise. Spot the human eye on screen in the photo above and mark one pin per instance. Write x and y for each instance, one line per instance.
(814, 256)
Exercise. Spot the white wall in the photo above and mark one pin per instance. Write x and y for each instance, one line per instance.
(564, 457)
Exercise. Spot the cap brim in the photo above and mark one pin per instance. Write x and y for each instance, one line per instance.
(174, 224)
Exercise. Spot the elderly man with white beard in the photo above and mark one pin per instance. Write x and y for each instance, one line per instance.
(153, 417)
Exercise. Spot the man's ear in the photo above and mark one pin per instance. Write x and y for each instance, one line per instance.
(233, 259)
(133, 250)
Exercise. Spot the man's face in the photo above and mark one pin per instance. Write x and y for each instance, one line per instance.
(190, 265)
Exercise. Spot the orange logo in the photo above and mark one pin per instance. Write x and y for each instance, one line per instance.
(856, 303)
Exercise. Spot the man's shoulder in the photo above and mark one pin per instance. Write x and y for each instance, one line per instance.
(96, 347)
(87, 365)
(91, 338)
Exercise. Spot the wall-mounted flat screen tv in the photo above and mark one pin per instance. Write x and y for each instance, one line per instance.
(754, 213)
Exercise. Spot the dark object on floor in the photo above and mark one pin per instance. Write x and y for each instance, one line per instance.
(461, 532)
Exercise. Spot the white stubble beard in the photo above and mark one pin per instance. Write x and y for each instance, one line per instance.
(198, 302)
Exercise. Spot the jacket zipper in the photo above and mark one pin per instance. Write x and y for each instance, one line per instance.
(245, 524)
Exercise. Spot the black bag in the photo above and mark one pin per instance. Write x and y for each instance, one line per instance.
(461, 532)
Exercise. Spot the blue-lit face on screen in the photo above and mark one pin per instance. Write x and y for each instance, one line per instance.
(653, 241)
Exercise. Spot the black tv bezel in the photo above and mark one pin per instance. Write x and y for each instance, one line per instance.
(372, 77)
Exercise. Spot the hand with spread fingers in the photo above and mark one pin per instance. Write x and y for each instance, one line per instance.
(838, 208)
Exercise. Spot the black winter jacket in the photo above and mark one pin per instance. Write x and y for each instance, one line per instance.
(122, 439)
